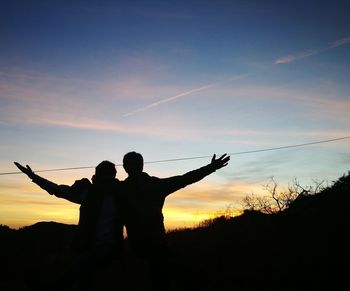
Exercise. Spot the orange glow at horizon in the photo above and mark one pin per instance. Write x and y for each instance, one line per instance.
(32, 205)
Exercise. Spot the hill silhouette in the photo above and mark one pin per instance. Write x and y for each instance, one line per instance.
(305, 247)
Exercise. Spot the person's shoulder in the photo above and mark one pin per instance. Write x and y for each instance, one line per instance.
(148, 177)
(140, 178)
(82, 183)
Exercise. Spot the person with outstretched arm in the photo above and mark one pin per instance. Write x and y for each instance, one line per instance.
(143, 198)
(99, 237)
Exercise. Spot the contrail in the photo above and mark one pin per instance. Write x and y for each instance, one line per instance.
(293, 57)
(301, 55)
(195, 90)
(341, 42)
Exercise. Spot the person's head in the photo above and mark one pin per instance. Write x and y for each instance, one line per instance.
(133, 163)
(105, 170)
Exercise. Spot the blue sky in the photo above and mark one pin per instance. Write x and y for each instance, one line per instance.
(84, 81)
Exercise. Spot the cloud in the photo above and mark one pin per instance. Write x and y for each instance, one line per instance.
(59, 110)
(157, 103)
(293, 57)
(83, 123)
(183, 94)
(34, 102)
(341, 42)
(304, 54)
(111, 126)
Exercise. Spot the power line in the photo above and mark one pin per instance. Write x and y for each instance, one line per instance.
(198, 157)
(254, 151)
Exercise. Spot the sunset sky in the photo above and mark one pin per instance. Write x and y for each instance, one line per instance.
(86, 81)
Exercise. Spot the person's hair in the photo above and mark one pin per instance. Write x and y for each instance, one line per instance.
(105, 170)
(133, 163)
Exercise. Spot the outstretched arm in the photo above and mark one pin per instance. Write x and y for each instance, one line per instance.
(173, 184)
(50, 187)
(220, 162)
(71, 193)
(26, 170)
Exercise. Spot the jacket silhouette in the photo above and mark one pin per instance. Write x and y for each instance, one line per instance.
(143, 198)
(99, 237)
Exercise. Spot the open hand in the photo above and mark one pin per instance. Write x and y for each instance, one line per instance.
(220, 162)
(26, 170)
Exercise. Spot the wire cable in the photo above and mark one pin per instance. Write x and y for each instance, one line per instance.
(198, 157)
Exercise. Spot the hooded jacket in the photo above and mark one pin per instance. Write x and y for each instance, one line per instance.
(99, 215)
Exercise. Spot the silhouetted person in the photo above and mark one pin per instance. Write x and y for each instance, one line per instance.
(143, 197)
(99, 237)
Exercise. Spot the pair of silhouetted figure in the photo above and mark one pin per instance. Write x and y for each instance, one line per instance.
(107, 204)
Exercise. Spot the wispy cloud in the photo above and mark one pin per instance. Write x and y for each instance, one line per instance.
(148, 129)
(308, 53)
(183, 94)
(340, 42)
(98, 125)
(42, 107)
(157, 103)
(293, 57)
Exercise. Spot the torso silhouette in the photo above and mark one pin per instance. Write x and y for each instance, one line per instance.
(142, 200)
(99, 215)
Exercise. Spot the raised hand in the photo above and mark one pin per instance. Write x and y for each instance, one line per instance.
(220, 162)
(26, 170)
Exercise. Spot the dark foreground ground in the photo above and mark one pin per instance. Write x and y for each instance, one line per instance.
(304, 248)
